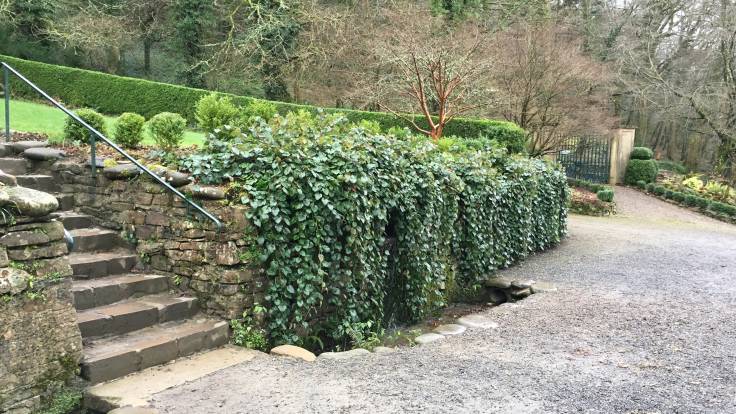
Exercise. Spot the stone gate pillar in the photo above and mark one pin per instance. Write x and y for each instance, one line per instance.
(622, 144)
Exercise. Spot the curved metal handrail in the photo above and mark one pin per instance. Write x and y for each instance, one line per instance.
(94, 135)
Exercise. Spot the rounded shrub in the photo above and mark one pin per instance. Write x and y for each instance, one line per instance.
(76, 132)
(641, 184)
(669, 194)
(723, 208)
(167, 130)
(215, 111)
(703, 203)
(649, 187)
(678, 196)
(691, 200)
(640, 170)
(259, 109)
(129, 130)
(659, 190)
(605, 195)
(642, 153)
(506, 134)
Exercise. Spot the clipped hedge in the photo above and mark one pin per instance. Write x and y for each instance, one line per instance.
(642, 153)
(115, 94)
(640, 170)
(712, 208)
(603, 192)
(325, 196)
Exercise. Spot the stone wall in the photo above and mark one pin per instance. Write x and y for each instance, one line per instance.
(214, 265)
(40, 343)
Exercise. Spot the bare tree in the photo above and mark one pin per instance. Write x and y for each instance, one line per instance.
(680, 57)
(547, 85)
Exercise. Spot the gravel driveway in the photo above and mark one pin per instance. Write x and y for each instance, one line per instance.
(644, 322)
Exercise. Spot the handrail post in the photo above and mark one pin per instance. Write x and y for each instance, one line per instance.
(6, 92)
(93, 154)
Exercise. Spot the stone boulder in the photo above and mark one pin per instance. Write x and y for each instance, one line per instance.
(293, 352)
(204, 192)
(27, 201)
(121, 171)
(176, 178)
(43, 154)
(8, 179)
(20, 146)
(13, 281)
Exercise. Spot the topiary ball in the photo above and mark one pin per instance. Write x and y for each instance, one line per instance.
(641, 153)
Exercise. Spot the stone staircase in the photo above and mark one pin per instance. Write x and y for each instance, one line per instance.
(130, 320)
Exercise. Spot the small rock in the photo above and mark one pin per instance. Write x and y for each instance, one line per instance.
(293, 352)
(477, 321)
(543, 287)
(427, 338)
(450, 329)
(357, 352)
(43, 154)
(496, 296)
(20, 146)
(133, 410)
(29, 202)
(521, 293)
(499, 283)
(6, 150)
(99, 162)
(522, 284)
(383, 350)
(8, 179)
(13, 281)
(207, 193)
(121, 171)
(177, 179)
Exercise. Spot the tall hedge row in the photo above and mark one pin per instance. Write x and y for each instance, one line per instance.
(115, 95)
(324, 197)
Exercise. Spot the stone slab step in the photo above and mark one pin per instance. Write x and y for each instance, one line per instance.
(95, 239)
(14, 166)
(110, 358)
(110, 289)
(92, 265)
(137, 389)
(44, 183)
(74, 221)
(66, 201)
(134, 314)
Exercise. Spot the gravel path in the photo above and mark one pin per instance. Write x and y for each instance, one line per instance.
(644, 322)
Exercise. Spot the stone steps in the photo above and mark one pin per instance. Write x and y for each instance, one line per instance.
(95, 239)
(75, 221)
(93, 265)
(110, 358)
(134, 314)
(14, 166)
(129, 321)
(110, 289)
(45, 183)
(138, 389)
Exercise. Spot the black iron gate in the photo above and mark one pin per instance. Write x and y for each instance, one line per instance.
(586, 158)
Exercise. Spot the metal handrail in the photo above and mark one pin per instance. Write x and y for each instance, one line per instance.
(93, 136)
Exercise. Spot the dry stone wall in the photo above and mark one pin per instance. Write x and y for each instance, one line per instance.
(40, 343)
(217, 266)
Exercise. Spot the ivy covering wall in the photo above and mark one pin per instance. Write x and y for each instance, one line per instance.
(324, 196)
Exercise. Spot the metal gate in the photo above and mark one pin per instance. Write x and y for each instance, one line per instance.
(586, 158)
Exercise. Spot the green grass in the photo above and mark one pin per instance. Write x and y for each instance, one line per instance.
(33, 117)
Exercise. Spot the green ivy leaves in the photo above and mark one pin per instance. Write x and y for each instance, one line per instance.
(327, 198)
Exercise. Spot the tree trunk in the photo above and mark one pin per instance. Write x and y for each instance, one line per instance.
(147, 57)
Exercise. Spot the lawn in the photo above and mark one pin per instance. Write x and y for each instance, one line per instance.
(33, 117)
